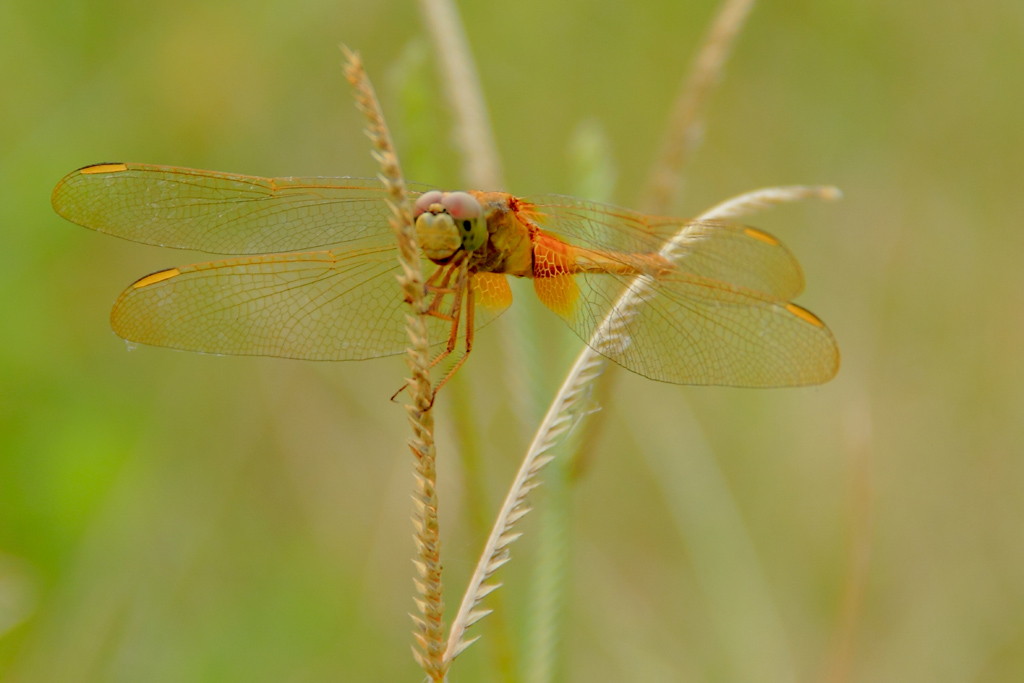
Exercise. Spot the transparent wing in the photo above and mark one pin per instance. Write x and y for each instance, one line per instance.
(222, 213)
(716, 250)
(692, 330)
(743, 256)
(596, 226)
(322, 305)
(721, 315)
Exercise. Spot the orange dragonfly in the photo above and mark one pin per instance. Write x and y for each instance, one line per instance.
(314, 273)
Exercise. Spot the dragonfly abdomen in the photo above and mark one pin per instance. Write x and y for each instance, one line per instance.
(553, 258)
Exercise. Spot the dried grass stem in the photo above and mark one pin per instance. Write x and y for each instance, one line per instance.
(429, 633)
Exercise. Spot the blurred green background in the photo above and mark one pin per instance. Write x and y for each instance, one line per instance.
(175, 517)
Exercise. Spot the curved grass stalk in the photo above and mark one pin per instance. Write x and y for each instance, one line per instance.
(565, 410)
(561, 416)
(429, 631)
(552, 557)
(759, 200)
(685, 126)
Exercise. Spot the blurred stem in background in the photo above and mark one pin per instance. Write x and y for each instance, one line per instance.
(750, 635)
(685, 128)
(858, 439)
(473, 135)
(593, 174)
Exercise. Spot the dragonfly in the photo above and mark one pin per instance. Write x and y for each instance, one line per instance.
(314, 265)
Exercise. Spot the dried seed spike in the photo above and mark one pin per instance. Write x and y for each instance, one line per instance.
(527, 487)
(540, 462)
(476, 615)
(517, 514)
(498, 561)
(463, 645)
(428, 562)
(420, 659)
(485, 590)
(588, 366)
(758, 200)
(507, 539)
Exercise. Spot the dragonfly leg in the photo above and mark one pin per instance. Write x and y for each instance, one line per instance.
(439, 290)
(442, 288)
(461, 285)
(431, 286)
(470, 311)
(453, 336)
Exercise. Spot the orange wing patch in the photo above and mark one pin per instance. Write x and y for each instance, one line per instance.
(552, 257)
(491, 290)
(553, 269)
(559, 293)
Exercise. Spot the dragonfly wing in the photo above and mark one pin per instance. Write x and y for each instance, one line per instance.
(743, 256)
(221, 213)
(322, 305)
(692, 330)
(718, 250)
(595, 226)
(492, 296)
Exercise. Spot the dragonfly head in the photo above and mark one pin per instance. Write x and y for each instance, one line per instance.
(446, 221)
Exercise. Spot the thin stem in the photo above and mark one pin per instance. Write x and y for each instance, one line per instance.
(683, 134)
(593, 172)
(482, 166)
(859, 445)
(429, 631)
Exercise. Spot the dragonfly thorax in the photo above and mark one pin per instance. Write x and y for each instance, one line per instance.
(448, 221)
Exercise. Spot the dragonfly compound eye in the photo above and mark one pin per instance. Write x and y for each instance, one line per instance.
(424, 201)
(469, 217)
(461, 205)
